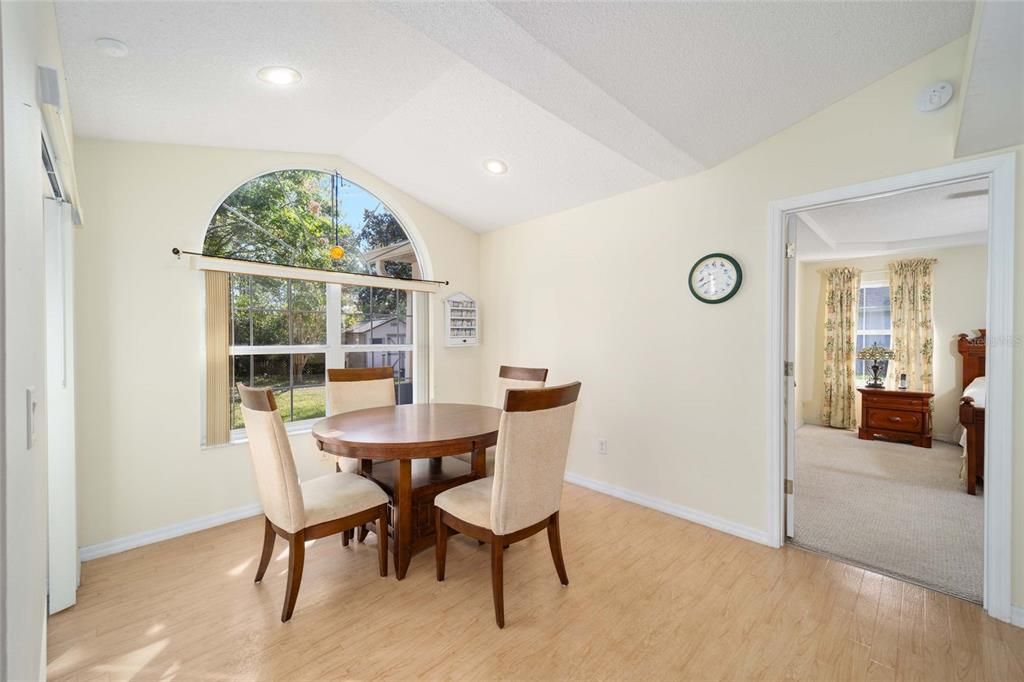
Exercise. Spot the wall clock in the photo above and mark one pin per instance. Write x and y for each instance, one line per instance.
(715, 278)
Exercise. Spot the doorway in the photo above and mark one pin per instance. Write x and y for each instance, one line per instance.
(885, 289)
(998, 172)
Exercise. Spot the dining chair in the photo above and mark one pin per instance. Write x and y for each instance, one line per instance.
(510, 378)
(525, 493)
(301, 511)
(358, 389)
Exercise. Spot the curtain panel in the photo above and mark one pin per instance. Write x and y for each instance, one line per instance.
(913, 330)
(838, 406)
(218, 369)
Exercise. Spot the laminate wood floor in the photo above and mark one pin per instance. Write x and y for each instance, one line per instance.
(650, 597)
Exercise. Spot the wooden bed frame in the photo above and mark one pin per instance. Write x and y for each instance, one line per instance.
(973, 418)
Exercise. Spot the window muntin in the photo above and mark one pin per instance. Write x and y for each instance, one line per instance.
(874, 325)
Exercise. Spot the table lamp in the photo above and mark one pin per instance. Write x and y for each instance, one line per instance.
(876, 354)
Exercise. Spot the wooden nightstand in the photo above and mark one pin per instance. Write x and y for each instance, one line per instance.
(898, 416)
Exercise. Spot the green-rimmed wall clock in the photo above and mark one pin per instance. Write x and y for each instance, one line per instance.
(715, 278)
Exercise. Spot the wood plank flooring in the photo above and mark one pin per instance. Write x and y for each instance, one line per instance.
(650, 597)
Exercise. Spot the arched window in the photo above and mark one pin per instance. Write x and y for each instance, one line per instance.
(284, 333)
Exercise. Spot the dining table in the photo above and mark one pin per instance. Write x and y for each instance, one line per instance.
(408, 451)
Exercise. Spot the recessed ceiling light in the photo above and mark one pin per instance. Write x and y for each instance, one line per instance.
(496, 166)
(111, 47)
(279, 75)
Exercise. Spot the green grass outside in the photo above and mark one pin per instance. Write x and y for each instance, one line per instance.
(310, 402)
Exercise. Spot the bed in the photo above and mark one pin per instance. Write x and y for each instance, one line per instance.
(972, 408)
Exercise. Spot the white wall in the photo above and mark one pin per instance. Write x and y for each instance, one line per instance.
(29, 38)
(959, 306)
(599, 293)
(139, 316)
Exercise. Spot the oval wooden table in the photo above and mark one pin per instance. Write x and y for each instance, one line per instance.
(406, 450)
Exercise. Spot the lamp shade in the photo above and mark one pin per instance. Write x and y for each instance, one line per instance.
(875, 352)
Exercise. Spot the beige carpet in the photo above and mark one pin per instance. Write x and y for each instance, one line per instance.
(896, 508)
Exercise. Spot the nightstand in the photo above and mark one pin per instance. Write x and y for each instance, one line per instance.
(897, 416)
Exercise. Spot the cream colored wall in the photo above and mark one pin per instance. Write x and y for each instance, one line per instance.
(139, 315)
(583, 290)
(959, 306)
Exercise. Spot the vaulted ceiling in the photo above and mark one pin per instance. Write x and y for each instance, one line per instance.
(582, 100)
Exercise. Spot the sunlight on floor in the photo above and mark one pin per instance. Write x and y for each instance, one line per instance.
(240, 568)
(134, 662)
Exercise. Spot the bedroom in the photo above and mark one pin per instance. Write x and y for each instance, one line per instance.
(890, 320)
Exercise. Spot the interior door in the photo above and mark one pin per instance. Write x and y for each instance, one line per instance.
(790, 373)
(62, 523)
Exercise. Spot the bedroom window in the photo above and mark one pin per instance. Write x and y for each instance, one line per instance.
(874, 324)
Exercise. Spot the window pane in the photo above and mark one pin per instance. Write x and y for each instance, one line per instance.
(309, 328)
(269, 328)
(269, 293)
(400, 361)
(240, 321)
(874, 311)
(875, 319)
(373, 315)
(308, 402)
(240, 291)
(271, 370)
(308, 369)
(875, 297)
(309, 296)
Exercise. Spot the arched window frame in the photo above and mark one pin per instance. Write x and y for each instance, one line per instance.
(336, 350)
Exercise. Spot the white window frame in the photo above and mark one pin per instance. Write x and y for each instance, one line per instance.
(873, 284)
(335, 351)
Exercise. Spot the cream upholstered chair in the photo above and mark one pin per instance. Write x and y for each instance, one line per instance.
(525, 493)
(518, 377)
(358, 389)
(303, 511)
(510, 378)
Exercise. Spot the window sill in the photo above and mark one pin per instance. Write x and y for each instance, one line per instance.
(238, 436)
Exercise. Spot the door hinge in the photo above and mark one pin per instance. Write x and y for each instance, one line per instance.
(789, 486)
(790, 249)
(787, 368)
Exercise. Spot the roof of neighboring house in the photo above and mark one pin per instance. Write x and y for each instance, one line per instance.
(399, 252)
(367, 325)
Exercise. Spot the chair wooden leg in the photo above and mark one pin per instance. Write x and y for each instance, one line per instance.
(362, 533)
(268, 549)
(555, 541)
(346, 535)
(296, 557)
(497, 581)
(382, 542)
(441, 543)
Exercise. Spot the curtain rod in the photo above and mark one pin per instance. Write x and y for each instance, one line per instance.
(178, 252)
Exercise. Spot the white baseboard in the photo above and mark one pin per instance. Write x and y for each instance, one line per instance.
(694, 515)
(1017, 616)
(148, 537)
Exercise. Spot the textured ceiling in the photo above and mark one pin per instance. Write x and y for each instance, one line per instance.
(935, 217)
(582, 100)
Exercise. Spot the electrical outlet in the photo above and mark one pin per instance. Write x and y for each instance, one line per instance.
(602, 447)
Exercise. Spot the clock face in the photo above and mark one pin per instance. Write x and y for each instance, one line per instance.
(715, 278)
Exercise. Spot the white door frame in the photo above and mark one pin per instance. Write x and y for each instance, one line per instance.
(1000, 170)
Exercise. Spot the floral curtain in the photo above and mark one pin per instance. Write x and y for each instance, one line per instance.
(913, 331)
(838, 408)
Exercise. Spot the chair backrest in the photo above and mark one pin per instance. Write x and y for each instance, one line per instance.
(359, 389)
(272, 461)
(529, 461)
(510, 378)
